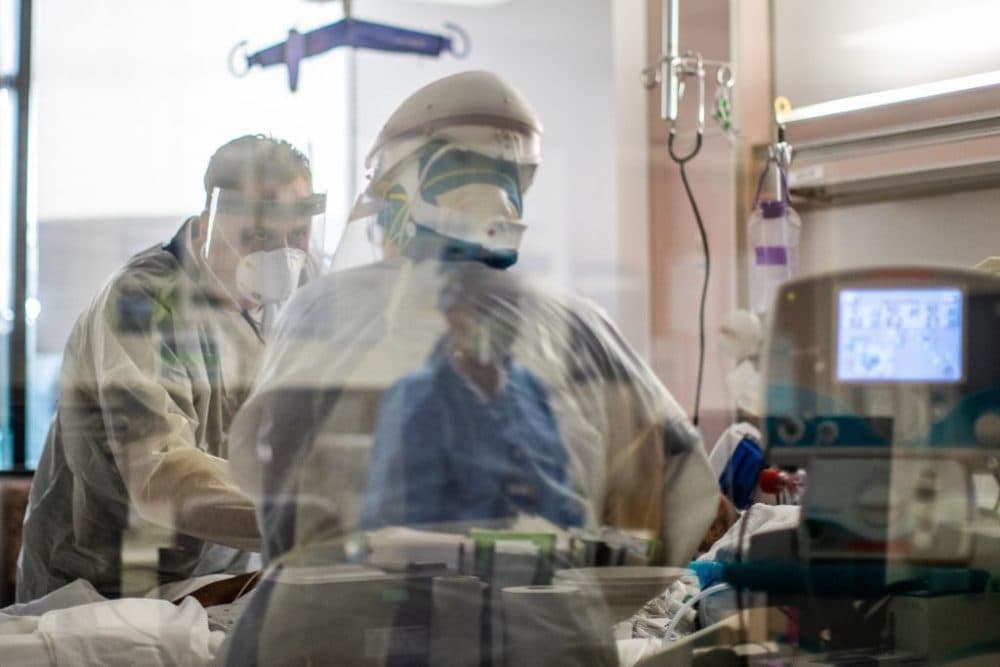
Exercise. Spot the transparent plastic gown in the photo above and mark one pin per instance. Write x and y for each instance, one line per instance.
(153, 373)
(133, 488)
(427, 442)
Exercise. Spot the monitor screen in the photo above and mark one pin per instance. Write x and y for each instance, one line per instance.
(900, 335)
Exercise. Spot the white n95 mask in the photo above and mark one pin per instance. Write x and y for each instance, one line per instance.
(270, 276)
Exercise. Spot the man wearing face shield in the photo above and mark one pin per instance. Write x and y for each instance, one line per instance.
(153, 373)
(259, 248)
(420, 384)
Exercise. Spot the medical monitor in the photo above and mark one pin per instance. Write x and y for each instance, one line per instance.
(911, 334)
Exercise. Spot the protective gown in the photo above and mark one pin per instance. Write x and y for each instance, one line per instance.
(367, 415)
(134, 464)
(437, 430)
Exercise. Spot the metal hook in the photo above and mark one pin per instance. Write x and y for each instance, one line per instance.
(238, 73)
(683, 66)
(463, 36)
(687, 65)
(650, 77)
(700, 73)
(724, 76)
(723, 112)
(696, 69)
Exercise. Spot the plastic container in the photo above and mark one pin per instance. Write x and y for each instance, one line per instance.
(773, 231)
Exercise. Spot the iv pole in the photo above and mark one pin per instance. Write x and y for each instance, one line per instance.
(670, 72)
(670, 82)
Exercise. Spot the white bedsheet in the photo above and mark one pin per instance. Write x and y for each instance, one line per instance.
(760, 518)
(70, 627)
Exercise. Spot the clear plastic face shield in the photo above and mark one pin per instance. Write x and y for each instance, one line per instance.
(261, 249)
(453, 195)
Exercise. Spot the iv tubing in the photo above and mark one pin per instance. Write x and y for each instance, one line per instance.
(692, 601)
(682, 161)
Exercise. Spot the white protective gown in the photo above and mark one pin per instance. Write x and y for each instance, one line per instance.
(364, 418)
(153, 373)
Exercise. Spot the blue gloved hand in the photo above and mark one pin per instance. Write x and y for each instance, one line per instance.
(709, 572)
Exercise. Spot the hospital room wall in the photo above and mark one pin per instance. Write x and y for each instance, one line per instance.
(956, 229)
(857, 47)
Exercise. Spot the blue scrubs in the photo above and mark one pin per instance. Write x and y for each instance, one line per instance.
(445, 452)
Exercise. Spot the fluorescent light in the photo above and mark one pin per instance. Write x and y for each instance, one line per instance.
(895, 96)
(460, 3)
(467, 3)
(938, 33)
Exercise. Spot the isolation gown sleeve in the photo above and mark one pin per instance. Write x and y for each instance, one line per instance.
(147, 408)
(658, 477)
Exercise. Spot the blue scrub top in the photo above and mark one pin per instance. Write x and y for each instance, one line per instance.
(444, 452)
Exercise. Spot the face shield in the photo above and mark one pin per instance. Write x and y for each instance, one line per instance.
(456, 195)
(261, 249)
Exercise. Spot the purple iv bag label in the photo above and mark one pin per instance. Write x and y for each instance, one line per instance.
(772, 255)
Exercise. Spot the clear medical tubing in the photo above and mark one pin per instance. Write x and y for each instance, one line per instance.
(687, 606)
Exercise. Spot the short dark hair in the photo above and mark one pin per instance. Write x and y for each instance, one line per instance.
(255, 158)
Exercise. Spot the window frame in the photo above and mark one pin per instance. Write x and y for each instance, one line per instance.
(18, 83)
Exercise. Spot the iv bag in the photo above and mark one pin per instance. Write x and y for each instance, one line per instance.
(773, 234)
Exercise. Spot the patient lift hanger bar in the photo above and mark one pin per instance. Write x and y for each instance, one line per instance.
(350, 32)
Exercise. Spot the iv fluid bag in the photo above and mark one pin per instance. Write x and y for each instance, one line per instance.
(773, 233)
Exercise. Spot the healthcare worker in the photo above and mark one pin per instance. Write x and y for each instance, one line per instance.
(576, 429)
(153, 373)
(470, 435)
